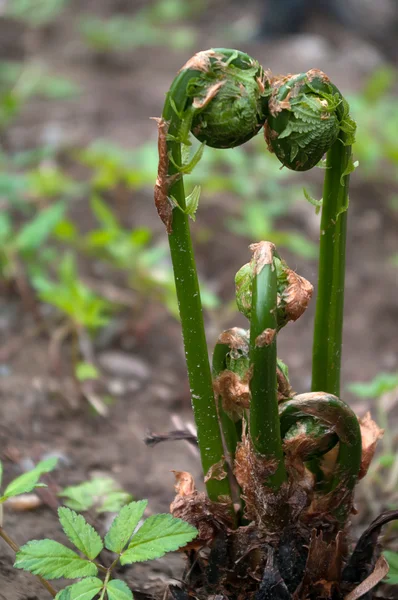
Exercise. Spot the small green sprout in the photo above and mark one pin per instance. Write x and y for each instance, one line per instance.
(101, 493)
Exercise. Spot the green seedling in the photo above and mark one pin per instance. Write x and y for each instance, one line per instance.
(27, 244)
(22, 485)
(129, 540)
(280, 468)
(83, 308)
(100, 493)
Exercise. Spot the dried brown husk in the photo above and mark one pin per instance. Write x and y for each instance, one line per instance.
(296, 296)
(234, 392)
(323, 568)
(371, 434)
(196, 508)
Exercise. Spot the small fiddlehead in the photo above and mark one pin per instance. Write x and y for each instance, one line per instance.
(326, 419)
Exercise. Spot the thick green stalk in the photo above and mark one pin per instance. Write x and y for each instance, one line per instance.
(328, 329)
(189, 302)
(264, 417)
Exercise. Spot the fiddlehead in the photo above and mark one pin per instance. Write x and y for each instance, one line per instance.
(307, 112)
(326, 419)
(193, 93)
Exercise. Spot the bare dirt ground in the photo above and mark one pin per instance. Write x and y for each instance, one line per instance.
(145, 365)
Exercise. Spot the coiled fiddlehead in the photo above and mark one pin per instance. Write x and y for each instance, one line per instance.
(331, 418)
(307, 113)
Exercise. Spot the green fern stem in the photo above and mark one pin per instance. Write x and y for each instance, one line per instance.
(328, 329)
(264, 418)
(189, 300)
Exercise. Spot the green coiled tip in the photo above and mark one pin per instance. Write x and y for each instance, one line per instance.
(294, 292)
(307, 112)
(229, 95)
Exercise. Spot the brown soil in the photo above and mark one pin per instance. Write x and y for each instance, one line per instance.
(36, 419)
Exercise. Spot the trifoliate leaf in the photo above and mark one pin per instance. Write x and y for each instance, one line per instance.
(85, 589)
(118, 590)
(313, 201)
(192, 202)
(52, 560)
(28, 481)
(158, 535)
(80, 533)
(123, 525)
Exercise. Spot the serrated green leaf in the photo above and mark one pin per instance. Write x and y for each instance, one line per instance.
(28, 481)
(118, 590)
(35, 233)
(85, 589)
(80, 533)
(123, 525)
(192, 202)
(158, 535)
(52, 560)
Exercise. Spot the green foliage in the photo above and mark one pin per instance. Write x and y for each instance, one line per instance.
(123, 526)
(381, 384)
(148, 27)
(392, 558)
(35, 13)
(53, 560)
(80, 533)
(28, 481)
(376, 112)
(118, 590)
(85, 371)
(101, 493)
(159, 534)
(72, 297)
(27, 242)
(20, 82)
(85, 589)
